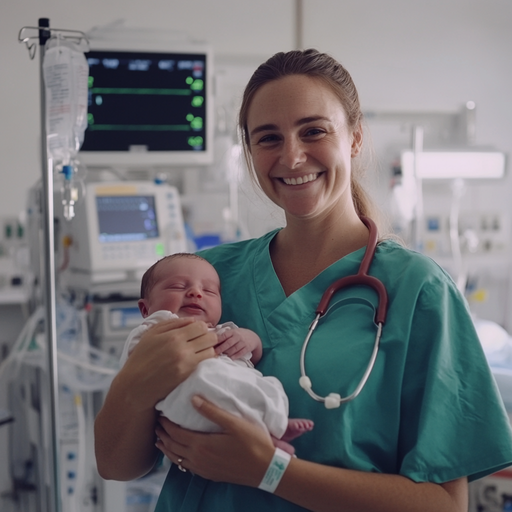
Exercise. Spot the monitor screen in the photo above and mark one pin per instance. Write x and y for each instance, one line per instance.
(147, 107)
(126, 218)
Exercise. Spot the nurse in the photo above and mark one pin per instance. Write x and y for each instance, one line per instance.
(429, 418)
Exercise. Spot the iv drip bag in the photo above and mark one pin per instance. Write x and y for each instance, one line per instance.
(65, 72)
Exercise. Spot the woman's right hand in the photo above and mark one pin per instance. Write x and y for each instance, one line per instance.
(165, 356)
(124, 428)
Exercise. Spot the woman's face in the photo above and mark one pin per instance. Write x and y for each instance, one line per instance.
(301, 146)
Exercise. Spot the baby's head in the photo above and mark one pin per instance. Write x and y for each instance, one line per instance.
(185, 284)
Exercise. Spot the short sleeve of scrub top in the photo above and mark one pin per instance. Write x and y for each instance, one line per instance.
(430, 410)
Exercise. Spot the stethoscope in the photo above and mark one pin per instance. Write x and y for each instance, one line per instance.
(362, 278)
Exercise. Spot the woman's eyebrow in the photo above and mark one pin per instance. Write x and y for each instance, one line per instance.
(311, 119)
(299, 122)
(263, 128)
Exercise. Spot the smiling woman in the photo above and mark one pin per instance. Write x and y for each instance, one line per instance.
(419, 429)
(297, 128)
(336, 78)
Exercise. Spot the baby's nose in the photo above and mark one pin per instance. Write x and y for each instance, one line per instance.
(194, 292)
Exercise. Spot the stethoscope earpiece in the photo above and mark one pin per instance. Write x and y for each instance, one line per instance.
(305, 382)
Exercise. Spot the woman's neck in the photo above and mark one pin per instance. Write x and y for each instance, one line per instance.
(303, 249)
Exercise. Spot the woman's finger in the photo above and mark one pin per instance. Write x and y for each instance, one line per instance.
(169, 325)
(204, 342)
(186, 333)
(219, 416)
(168, 439)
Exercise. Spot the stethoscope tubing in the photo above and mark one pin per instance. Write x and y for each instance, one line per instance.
(360, 279)
(307, 387)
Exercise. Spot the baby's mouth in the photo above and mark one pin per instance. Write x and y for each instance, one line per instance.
(192, 307)
(300, 180)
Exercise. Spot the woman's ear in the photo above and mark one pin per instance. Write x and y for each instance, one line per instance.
(357, 141)
(143, 308)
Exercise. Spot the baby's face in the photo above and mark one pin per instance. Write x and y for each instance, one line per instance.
(188, 287)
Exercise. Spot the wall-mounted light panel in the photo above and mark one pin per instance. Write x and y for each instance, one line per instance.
(452, 165)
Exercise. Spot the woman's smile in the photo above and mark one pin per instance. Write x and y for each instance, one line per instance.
(300, 179)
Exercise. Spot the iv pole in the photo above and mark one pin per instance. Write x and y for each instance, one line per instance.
(48, 274)
(49, 283)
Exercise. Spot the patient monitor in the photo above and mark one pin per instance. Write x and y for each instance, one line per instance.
(121, 229)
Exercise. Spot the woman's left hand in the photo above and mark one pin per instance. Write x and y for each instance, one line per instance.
(239, 454)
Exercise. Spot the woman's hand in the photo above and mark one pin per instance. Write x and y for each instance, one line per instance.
(125, 426)
(239, 454)
(165, 356)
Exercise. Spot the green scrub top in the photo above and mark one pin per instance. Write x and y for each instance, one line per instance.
(430, 409)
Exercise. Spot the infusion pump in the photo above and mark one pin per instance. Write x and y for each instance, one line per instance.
(119, 230)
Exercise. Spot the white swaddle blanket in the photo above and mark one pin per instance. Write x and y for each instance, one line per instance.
(235, 386)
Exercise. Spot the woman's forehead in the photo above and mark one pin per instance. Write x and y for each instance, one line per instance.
(294, 96)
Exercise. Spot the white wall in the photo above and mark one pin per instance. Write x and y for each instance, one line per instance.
(410, 55)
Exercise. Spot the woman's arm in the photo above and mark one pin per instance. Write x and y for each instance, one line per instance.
(242, 453)
(324, 489)
(124, 428)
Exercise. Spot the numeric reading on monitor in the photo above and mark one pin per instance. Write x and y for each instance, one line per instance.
(146, 102)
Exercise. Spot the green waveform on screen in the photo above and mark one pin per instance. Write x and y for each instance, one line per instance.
(140, 127)
(141, 90)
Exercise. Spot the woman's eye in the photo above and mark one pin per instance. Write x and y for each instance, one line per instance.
(268, 139)
(311, 132)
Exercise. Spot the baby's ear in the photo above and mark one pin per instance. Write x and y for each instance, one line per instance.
(143, 308)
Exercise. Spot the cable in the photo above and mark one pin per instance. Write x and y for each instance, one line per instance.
(458, 190)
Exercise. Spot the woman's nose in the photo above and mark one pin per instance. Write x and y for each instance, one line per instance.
(292, 154)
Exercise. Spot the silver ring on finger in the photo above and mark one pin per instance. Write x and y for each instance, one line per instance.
(180, 467)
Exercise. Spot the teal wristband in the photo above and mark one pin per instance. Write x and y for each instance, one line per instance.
(275, 470)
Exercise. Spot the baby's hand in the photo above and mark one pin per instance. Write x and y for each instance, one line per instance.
(235, 343)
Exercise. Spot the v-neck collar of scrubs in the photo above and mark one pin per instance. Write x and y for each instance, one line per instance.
(270, 293)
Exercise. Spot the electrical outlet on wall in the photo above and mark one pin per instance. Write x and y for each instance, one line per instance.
(493, 233)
